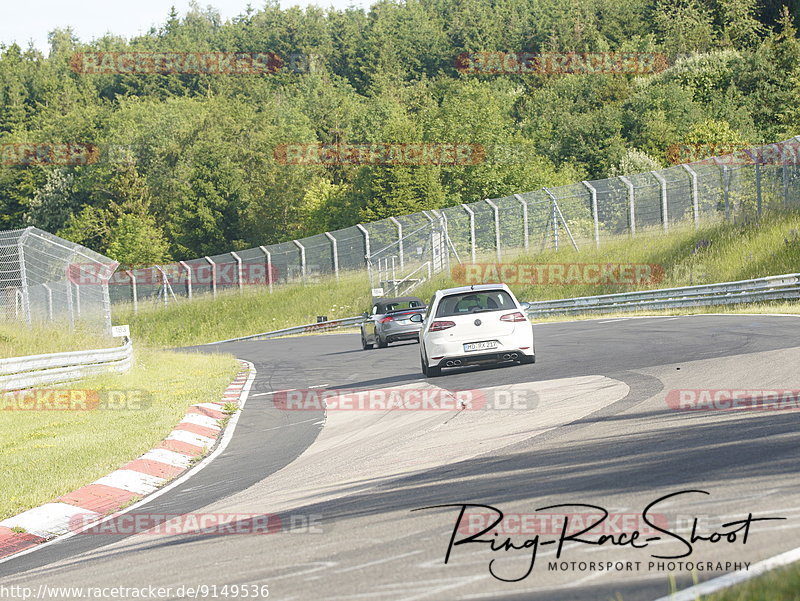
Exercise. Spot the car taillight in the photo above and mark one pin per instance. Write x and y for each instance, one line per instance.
(516, 316)
(385, 319)
(441, 325)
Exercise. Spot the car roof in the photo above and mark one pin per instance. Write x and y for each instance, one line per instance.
(474, 288)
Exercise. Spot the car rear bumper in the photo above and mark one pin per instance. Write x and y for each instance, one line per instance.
(511, 348)
(395, 332)
(484, 359)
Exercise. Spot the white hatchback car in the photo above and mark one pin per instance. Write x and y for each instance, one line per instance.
(474, 325)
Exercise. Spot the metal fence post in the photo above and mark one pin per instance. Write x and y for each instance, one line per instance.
(496, 212)
(188, 278)
(757, 162)
(302, 259)
(785, 173)
(631, 205)
(553, 216)
(557, 214)
(49, 302)
(239, 271)
(213, 276)
(725, 187)
(107, 296)
(268, 256)
(134, 293)
(77, 300)
(695, 200)
(367, 252)
(663, 185)
(26, 301)
(400, 244)
(595, 214)
(525, 235)
(335, 254)
(471, 214)
(163, 283)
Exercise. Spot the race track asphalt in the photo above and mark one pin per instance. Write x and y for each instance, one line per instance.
(597, 430)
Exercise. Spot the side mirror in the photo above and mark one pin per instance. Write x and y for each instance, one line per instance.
(525, 306)
(417, 318)
(365, 314)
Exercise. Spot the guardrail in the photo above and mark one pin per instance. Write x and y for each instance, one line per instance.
(779, 287)
(22, 372)
(305, 329)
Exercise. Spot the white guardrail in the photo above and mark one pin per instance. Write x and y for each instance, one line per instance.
(778, 287)
(34, 370)
(306, 329)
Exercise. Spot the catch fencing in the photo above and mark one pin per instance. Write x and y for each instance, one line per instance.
(46, 279)
(400, 252)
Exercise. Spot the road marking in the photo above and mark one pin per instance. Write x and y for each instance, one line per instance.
(274, 392)
(292, 424)
(376, 562)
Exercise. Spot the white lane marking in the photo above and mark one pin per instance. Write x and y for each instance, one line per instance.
(313, 567)
(223, 443)
(376, 562)
(292, 424)
(716, 584)
(273, 392)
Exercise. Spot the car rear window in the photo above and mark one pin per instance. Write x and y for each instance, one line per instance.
(474, 302)
(401, 306)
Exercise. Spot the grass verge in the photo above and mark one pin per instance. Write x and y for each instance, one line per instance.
(44, 454)
(18, 341)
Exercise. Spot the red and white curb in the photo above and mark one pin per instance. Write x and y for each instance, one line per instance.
(196, 434)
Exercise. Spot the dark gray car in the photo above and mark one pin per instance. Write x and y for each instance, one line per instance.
(390, 321)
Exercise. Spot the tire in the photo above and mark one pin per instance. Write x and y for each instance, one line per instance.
(364, 344)
(381, 342)
(429, 372)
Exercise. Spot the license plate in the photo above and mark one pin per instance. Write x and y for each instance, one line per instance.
(480, 346)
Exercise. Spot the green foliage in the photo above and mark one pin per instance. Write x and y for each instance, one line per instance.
(188, 164)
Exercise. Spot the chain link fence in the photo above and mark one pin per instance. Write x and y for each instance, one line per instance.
(400, 250)
(44, 278)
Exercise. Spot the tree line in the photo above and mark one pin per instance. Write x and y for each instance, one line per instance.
(189, 163)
